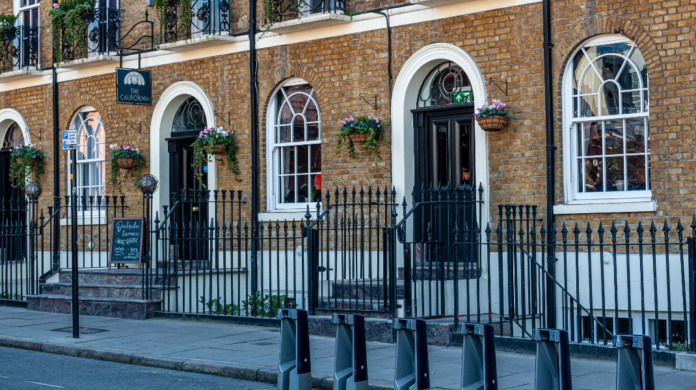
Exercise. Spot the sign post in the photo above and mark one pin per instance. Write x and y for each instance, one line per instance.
(73, 229)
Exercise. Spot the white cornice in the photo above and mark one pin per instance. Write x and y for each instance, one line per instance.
(360, 23)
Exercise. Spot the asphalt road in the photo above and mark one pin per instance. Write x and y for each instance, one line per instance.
(21, 369)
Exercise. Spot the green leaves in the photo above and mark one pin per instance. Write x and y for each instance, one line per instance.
(116, 178)
(21, 171)
(211, 137)
(369, 125)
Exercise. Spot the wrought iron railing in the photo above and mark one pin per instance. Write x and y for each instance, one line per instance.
(282, 10)
(190, 19)
(101, 35)
(19, 48)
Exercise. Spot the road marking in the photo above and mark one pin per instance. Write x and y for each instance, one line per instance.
(43, 384)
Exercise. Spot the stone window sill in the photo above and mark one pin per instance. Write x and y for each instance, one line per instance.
(85, 221)
(606, 208)
(310, 22)
(272, 216)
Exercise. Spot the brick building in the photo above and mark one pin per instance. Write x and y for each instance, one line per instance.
(623, 98)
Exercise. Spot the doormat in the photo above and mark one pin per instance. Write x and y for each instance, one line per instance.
(82, 330)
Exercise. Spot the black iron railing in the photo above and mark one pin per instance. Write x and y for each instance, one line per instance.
(282, 10)
(190, 19)
(19, 48)
(100, 35)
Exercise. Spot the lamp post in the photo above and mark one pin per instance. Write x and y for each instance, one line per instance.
(147, 185)
(32, 191)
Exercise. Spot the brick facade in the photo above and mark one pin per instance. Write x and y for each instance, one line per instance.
(506, 45)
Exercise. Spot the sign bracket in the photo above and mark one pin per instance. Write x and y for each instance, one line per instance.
(505, 91)
(374, 106)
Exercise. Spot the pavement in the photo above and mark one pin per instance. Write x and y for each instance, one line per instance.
(18, 372)
(251, 352)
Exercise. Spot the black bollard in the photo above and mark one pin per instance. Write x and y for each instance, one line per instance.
(350, 365)
(552, 370)
(412, 370)
(634, 367)
(295, 368)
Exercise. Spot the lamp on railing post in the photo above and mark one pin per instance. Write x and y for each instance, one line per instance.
(147, 185)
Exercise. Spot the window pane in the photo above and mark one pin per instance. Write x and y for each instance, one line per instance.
(299, 101)
(287, 185)
(614, 137)
(580, 62)
(284, 134)
(636, 173)
(593, 175)
(285, 117)
(315, 162)
(581, 177)
(298, 129)
(288, 160)
(637, 58)
(629, 79)
(302, 159)
(635, 136)
(610, 99)
(592, 138)
(590, 82)
(588, 105)
(311, 113)
(630, 102)
(312, 131)
(303, 186)
(316, 188)
(609, 66)
(615, 174)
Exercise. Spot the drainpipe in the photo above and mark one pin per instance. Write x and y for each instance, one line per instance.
(254, 143)
(389, 55)
(550, 178)
(55, 267)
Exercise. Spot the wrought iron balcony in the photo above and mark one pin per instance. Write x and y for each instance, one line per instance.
(286, 10)
(100, 36)
(201, 18)
(19, 49)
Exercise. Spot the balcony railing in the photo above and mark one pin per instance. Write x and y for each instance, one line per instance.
(202, 17)
(284, 10)
(100, 36)
(19, 49)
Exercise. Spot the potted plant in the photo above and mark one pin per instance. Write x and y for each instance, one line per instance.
(364, 130)
(25, 160)
(210, 142)
(7, 26)
(492, 117)
(615, 166)
(125, 158)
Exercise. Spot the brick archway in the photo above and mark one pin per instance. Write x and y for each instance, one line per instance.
(83, 100)
(607, 24)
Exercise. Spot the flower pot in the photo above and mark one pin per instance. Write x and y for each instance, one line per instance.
(492, 122)
(217, 149)
(358, 138)
(31, 161)
(9, 35)
(125, 162)
(619, 185)
(87, 15)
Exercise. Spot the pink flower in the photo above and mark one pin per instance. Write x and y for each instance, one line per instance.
(55, 5)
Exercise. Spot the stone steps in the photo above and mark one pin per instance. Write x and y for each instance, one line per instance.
(110, 293)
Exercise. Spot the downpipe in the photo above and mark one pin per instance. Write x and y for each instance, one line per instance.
(550, 178)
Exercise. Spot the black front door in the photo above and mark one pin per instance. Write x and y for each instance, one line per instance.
(190, 206)
(12, 213)
(445, 180)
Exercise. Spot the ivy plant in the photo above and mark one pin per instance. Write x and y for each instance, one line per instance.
(68, 26)
(271, 7)
(210, 137)
(369, 125)
(22, 166)
(125, 151)
(7, 22)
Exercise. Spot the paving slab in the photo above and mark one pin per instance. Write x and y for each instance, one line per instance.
(248, 352)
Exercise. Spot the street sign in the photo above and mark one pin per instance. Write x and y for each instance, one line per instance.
(69, 139)
(133, 86)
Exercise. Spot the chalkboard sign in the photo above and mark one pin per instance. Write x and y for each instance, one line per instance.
(126, 240)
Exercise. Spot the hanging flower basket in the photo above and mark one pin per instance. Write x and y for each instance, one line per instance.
(87, 15)
(492, 117)
(125, 162)
(32, 161)
(26, 160)
(217, 149)
(358, 138)
(9, 35)
(492, 122)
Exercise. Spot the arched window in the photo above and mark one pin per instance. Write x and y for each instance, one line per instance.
(447, 83)
(91, 172)
(607, 87)
(190, 116)
(294, 145)
(13, 136)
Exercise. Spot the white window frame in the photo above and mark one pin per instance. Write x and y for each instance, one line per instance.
(273, 203)
(570, 175)
(76, 123)
(19, 11)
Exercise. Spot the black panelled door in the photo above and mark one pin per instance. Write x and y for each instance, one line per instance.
(445, 175)
(192, 212)
(12, 211)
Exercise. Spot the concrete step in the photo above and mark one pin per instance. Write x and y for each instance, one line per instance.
(104, 276)
(92, 290)
(363, 289)
(136, 309)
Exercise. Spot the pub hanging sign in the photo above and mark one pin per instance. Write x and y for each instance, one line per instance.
(133, 86)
